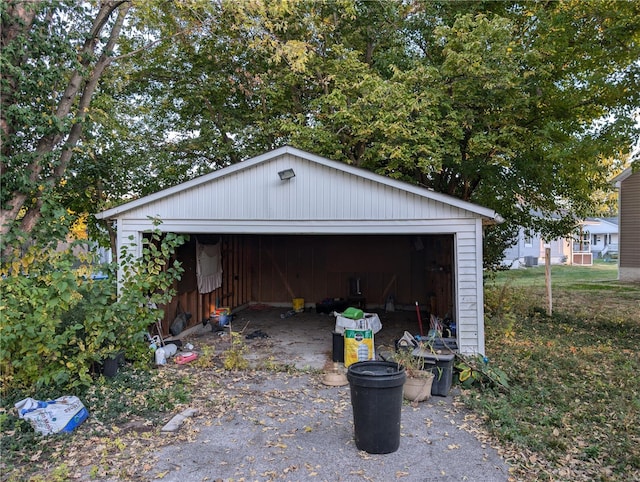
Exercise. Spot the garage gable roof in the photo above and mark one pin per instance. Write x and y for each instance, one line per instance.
(253, 190)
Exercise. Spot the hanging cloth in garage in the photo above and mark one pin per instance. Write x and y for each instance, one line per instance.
(209, 267)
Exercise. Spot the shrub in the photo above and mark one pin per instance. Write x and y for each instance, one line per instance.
(56, 322)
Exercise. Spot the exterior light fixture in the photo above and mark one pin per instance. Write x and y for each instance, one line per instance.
(286, 174)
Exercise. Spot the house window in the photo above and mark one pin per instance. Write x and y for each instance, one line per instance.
(583, 243)
(528, 241)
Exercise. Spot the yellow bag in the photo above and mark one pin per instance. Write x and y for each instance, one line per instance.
(358, 346)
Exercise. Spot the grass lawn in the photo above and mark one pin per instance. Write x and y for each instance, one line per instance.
(572, 412)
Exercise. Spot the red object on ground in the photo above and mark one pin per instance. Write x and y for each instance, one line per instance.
(186, 357)
(419, 319)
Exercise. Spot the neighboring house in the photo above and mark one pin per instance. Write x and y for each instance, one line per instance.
(290, 224)
(602, 234)
(628, 184)
(595, 238)
(530, 251)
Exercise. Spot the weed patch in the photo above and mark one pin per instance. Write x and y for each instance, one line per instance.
(574, 399)
(139, 397)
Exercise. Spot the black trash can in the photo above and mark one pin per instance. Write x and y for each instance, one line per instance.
(110, 365)
(376, 399)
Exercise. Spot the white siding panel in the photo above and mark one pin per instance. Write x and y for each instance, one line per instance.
(257, 193)
(323, 199)
(468, 292)
(467, 256)
(466, 285)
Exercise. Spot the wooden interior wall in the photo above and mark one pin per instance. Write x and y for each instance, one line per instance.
(235, 291)
(439, 275)
(409, 268)
(278, 268)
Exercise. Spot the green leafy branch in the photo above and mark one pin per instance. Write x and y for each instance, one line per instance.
(475, 370)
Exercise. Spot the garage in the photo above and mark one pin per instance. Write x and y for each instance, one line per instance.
(293, 225)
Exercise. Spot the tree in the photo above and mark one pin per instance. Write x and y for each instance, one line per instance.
(54, 54)
(515, 106)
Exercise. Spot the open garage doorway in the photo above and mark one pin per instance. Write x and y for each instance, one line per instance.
(371, 271)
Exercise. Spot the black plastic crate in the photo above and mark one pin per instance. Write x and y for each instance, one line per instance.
(441, 365)
(331, 305)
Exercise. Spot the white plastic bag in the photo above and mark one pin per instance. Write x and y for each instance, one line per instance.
(161, 358)
(63, 414)
(170, 350)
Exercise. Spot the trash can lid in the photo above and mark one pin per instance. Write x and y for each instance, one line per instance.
(378, 374)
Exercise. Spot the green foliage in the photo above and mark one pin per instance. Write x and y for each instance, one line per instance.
(234, 357)
(573, 399)
(40, 341)
(31, 89)
(53, 54)
(205, 359)
(144, 284)
(475, 370)
(57, 322)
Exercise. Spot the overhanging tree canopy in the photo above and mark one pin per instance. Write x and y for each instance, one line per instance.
(516, 106)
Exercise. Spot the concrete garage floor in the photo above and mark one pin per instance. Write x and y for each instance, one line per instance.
(304, 340)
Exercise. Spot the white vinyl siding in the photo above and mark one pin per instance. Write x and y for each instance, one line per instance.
(246, 197)
(469, 294)
(325, 197)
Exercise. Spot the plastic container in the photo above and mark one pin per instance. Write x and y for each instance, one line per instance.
(161, 359)
(353, 313)
(111, 364)
(298, 305)
(441, 365)
(338, 347)
(224, 319)
(186, 357)
(376, 399)
(169, 350)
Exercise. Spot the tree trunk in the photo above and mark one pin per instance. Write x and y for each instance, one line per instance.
(75, 87)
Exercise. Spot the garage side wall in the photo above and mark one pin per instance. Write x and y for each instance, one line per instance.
(469, 289)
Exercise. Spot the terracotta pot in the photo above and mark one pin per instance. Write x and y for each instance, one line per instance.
(418, 389)
(335, 379)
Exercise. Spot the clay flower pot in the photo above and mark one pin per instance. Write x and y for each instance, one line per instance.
(418, 388)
